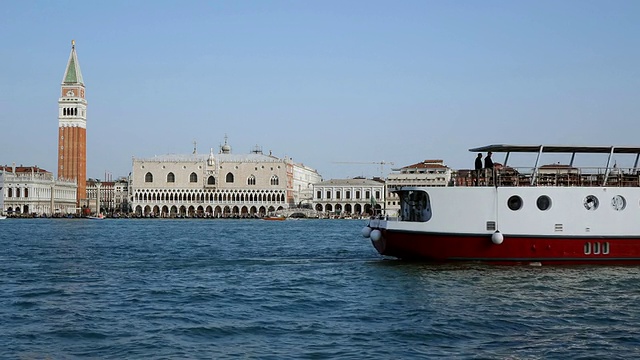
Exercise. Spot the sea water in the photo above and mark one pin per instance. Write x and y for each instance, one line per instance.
(311, 289)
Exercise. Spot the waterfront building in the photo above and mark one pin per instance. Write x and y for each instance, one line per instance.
(27, 190)
(349, 197)
(425, 173)
(72, 127)
(303, 179)
(108, 197)
(219, 184)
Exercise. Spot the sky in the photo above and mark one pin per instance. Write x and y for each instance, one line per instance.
(349, 88)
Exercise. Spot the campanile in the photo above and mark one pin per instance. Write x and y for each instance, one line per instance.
(72, 127)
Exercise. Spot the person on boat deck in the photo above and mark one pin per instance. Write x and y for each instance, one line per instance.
(478, 169)
(488, 166)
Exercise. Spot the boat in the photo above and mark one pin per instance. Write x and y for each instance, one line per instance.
(541, 214)
(96, 217)
(274, 217)
(2, 216)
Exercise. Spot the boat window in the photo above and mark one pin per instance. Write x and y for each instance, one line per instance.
(514, 203)
(415, 206)
(543, 202)
(587, 248)
(591, 202)
(618, 203)
(596, 248)
(605, 248)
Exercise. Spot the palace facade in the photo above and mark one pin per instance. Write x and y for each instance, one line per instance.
(29, 190)
(218, 185)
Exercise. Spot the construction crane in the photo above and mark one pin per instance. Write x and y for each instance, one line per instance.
(381, 163)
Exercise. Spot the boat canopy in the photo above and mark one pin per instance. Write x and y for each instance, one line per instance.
(502, 148)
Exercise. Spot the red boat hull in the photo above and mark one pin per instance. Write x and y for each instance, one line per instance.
(519, 249)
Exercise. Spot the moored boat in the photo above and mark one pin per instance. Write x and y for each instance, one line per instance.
(275, 217)
(541, 214)
(96, 217)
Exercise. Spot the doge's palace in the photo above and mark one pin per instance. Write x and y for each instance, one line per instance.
(219, 184)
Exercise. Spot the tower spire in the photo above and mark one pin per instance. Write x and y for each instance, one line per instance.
(73, 75)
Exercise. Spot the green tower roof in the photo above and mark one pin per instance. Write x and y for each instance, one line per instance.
(73, 75)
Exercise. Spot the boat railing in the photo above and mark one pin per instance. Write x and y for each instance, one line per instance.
(549, 176)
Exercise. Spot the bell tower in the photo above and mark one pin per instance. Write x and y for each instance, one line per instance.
(72, 127)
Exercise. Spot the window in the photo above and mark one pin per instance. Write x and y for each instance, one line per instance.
(274, 180)
(171, 177)
(543, 202)
(251, 180)
(514, 203)
(347, 194)
(328, 195)
(193, 177)
(229, 178)
(319, 194)
(367, 194)
(357, 194)
(338, 194)
(377, 194)
(148, 177)
(211, 180)
(591, 202)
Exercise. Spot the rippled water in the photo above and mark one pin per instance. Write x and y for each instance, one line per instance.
(182, 289)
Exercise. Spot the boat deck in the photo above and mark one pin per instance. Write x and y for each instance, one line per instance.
(549, 177)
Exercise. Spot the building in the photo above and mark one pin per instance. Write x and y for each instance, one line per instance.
(217, 185)
(72, 127)
(108, 197)
(348, 197)
(29, 190)
(303, 179)
(425, 173)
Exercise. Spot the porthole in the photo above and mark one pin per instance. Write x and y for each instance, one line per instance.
(618, 203)
(543, 202)
(591, 202)
(514, 203)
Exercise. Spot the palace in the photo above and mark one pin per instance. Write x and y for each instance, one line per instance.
(218, 185)
(72, 128)
(27, 190)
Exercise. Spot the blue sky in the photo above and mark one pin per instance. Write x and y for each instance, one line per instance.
(322, 82)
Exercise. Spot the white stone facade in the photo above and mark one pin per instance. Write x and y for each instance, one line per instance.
(348, 197)
(216, 185)
(303, 179)
(30, 190)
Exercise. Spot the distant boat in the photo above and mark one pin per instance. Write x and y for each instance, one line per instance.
(96, 217)
(2, 217)
(279, 217)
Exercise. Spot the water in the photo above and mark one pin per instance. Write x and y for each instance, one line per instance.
(313, 289)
